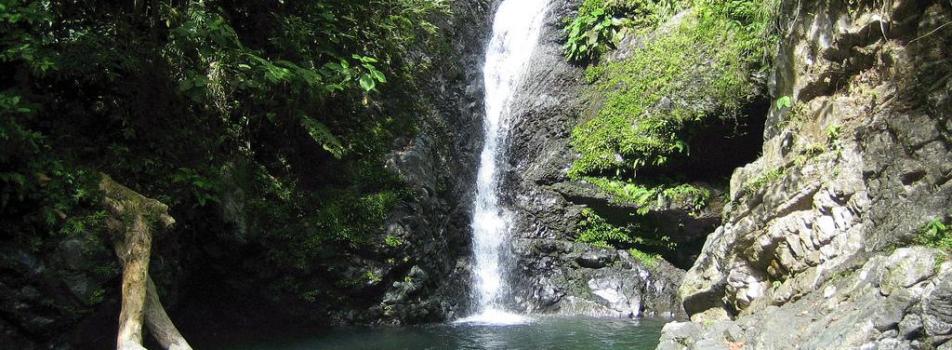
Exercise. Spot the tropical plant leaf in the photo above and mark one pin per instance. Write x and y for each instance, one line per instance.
(323, 135)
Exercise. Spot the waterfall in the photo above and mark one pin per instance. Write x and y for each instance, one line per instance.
(516, 29)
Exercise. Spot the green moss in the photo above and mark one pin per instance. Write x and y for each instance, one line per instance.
(647, 197)
(700, 69)
(936, 234)
(763, 179)
(649, 260)
(393, 241)
(372, 276)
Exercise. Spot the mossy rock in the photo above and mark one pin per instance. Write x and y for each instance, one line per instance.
(647, 103)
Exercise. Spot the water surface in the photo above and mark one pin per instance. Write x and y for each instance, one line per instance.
(545, 333)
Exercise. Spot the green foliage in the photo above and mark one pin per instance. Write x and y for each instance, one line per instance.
(695, 197)
(96, 297)
(298, 235)
(279, 114)
(592, 32)
(784, 102)
(203, 189)
(600, 24)
(763, 179)
(751, 21)
(647, 198)
(833, 133)
(648, 13)
(322, 135)
(393, 241)
(649, 260)
(82, 225)
(44, 200)
(595, 230)
(676, 81)
(625, 192)
(936, 234)
(807, 153)
(372, 276)
(24, 34)
(351, 219)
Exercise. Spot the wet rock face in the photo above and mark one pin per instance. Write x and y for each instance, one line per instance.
(566, 278)
(854, 169)
(551, 273)
(544, 111)
(439, 164)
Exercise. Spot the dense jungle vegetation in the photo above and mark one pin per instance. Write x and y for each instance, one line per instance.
(287, 107)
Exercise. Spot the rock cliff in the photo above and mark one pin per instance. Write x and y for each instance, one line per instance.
(821, 245)
(551, 272)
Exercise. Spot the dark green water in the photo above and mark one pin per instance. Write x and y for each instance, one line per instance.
(545, 333)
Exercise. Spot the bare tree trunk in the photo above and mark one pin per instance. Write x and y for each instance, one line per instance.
(133, 250)
(131, 221)
(159, 323)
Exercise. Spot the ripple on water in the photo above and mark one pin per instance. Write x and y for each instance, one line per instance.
(475, 334)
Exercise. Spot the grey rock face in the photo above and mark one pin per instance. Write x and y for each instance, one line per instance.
(552, 273)
(45, 294)
(852, 311)
(559, 277)
(807, 260)
(439, 164)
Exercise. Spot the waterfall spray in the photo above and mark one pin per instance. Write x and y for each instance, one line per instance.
(516, 28)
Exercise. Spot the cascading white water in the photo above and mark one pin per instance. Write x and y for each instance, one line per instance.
(516, 29)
